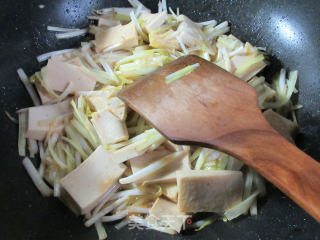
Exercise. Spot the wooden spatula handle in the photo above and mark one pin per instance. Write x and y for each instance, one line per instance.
(282, 163)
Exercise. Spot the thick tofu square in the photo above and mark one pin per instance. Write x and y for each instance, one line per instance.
(59, 74)
(125, 36)
(88, 183)
(166, 175)
(41, 118)
(110, 129)
(168, 213)
(113, 104)
(152, 21)
(189, 32)
(208, 191)
(43, 94)
(170, 190)
(285, 127)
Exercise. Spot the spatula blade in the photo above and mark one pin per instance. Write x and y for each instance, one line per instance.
(197, 107)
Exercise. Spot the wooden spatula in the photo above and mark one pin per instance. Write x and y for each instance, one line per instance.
(210, 107)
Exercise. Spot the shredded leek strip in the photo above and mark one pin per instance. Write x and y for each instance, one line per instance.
(11, 117)
(201, 224)
(46, 56)
(55, 157)
(69, 157)
(253, 208)
(139, 30)
(180, 73)
(32, 147)
(71, 34)
(242, 207)
(196, 154)
(102, 234)
(61, 29)
(86, 124)
(104, 211)
(76, 146)
(32, 93)
(115, 217)
(83, 131)
(36, 178)
(106, 197)
(22, 130)
(127, 193)
(248, 183)
(122, 224)
(150, 169)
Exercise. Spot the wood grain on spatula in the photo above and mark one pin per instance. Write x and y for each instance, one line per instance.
(212, 108)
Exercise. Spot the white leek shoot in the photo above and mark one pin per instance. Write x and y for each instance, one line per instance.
(21, 137)
(32, 93)
(241, 208)
(71, 34)
(152, 168)
(36, 178)
(181, 73)
(115, 217)
(102, 234)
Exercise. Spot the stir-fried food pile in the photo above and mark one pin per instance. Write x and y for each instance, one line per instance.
(103, 160)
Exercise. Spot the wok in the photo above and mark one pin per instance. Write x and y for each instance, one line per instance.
(290, 29)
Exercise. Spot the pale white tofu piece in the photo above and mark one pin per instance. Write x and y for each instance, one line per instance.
(58, 74)
(166, 175)
(41, 118)
(75, 61)
(44, 95)
(285, 127)
(208, 190)
(152, 21)
(169, 213)
(189, 32)
(110, 128)
(170, 190)
(113, 104)
(87, 184)
(124, 35)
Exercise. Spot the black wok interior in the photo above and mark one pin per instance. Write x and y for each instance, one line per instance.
(290, 29)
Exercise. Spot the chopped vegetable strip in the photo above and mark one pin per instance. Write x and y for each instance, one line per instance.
(182, 72)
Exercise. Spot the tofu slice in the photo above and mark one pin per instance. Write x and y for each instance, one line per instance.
(152, 21)
(168, 174)
(114, 104)
(44, 95)
(86, 185)
(124, 35)
(285, 127)
(189, 32)
(58, 74)
(41, 118)
(110, 129)
(170, 190)
(208, 191)
(169, 213)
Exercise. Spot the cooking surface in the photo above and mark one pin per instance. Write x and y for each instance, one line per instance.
(289, 29)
